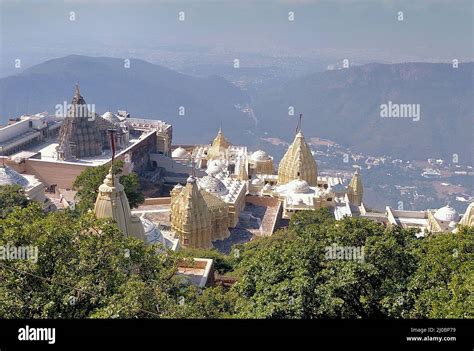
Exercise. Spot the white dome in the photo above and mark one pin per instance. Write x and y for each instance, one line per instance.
(447, 214)
(257, 181)
(259, 156)
(215, 167)
(212, 185)
(299, 186)
(178, 187)
(179, 153)
(109, 116)
(10, 177)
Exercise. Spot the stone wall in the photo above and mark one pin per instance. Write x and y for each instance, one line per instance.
(62, 174)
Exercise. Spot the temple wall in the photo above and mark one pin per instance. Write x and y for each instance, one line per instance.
(264, 201)
(62, 174)
(172, 166)
(157, 201)
(140, 152)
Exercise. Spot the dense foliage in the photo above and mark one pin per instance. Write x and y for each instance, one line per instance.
(10, 197)
(88, 182)
(87, 269)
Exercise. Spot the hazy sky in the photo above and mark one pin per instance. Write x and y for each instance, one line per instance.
(432, 30)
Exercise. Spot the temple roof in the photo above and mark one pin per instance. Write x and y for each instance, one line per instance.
(259, 156)
(447, 214)
(212, 201)
(180, 152)
(218, 147)
(113, 203)
(355, 185)
(468, 217)
(212, 185)
(78, 106)
(112, 118)
(298, 161)
(220, 140)
(9, 176)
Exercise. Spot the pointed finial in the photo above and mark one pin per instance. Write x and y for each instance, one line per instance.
(112, 146)
(298, 126)
(193, 171)
(78, 92)
(109, 178)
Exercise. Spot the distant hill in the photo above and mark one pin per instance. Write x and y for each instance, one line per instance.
(145, 90)
(344, 105)
(340, 105)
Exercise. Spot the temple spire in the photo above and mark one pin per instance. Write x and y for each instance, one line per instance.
(193, 171)
(112, 146)
(298, 161)
(298, 126)
(356, 189)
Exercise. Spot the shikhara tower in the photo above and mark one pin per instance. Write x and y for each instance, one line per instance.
(298, 162)
(355, 190)
(79, 135)
(190, 216)
(112, 203)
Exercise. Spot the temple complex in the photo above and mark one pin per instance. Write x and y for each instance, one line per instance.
(219, 193)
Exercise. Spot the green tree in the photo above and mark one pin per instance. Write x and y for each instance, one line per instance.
(86, 268)
(293, 277)
(442, 286)
(11, 196)
(88, 182)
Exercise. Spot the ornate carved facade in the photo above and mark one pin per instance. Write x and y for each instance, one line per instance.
(79, 135)
(190, 216)
(298, 163)
(355, 190)
(113, 203)
(219, 147)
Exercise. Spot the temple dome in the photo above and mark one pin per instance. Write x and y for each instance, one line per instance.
(9, 176)
(215, 167)
(259, 156)
(109, 116)
(257, 181)
(179, 153)
(299, 186)
(212, 185)
(447, 214)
